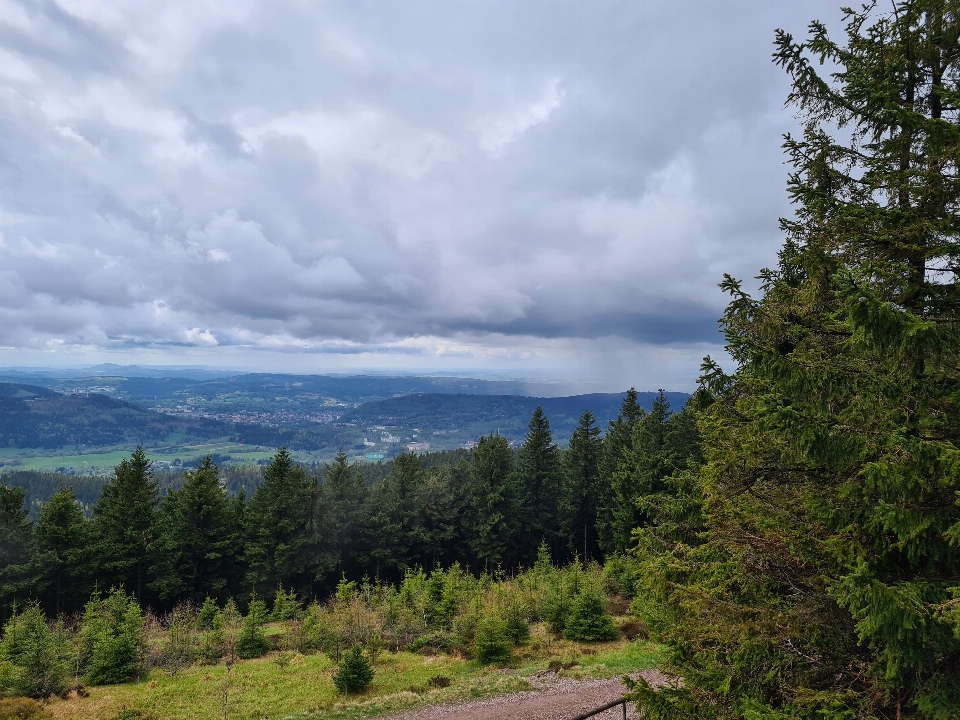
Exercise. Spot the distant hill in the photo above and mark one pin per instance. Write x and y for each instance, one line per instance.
(436, 415)
(35, 417)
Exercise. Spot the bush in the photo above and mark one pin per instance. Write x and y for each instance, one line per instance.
(111, 638)
(285, 606)
(354, 673)
(516, 626)
(208, 613)
(252, 643)
(589, 619)
(490, 643)
(23, 709)
(36, 656)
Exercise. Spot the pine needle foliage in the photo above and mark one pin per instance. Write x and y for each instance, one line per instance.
(354, 673)
(819, 576)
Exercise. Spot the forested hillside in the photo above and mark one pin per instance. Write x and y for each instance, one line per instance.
(34, 417)
(304, 529)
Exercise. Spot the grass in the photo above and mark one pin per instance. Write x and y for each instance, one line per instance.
(104, 461)
(304, 690)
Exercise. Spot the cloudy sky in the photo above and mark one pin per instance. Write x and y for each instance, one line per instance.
(547, 189)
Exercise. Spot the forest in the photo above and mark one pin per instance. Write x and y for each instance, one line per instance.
(305, 530)
(789, 538)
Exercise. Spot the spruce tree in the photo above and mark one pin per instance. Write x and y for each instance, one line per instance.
(395, 528)
(540, 479)
(493, 502)
(63, 550)
(346, 497)
(581, 463)
(17, 574)
(198, 538)
(616, 441)
(826, 582)
(286, 543)
(125, 524)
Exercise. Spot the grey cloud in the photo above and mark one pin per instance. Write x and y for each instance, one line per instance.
(353, 177)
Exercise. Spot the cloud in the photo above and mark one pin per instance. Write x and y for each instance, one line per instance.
(489, 183)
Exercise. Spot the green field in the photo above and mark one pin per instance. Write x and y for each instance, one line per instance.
(103, 460)
(300, 687)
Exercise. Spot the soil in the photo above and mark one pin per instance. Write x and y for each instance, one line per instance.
(553, 698)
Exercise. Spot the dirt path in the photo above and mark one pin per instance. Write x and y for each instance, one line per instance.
(554, 698)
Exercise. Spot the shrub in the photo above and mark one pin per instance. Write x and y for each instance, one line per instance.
(111, 638)
(490, 642)
(252, 643)
(179, 646)
(589, 619)
(516, 627)
(354, 673)
(285, 606)
(36, 655)
(208, 612)
(23, 709)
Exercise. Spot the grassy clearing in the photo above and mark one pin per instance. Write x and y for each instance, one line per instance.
(300, 687)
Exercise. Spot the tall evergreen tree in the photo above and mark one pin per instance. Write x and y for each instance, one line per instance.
(346, 498)
(124, 524)
(63, 552)
(643, 465)
(17, 574)
(540, 481)
(581, 474)
(616, 441)
(827, 585)
(199, 538)
(396, 523)
(492, 502)
(286, 546)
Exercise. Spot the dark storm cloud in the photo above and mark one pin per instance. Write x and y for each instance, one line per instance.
(405, 177)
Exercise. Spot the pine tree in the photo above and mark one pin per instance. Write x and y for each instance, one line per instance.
(540, 479)
(492, 502)
(197, 537)
(17, 574)
(286, 544)
(828, 580)
(643, 465)
(395, 525)
(581, 464)
(63, 549)
(346, 498)
(125, 524)
(615, 443)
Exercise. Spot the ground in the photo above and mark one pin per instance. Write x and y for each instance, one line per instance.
(300, 687)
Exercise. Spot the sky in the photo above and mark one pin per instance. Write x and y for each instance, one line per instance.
(527, 189)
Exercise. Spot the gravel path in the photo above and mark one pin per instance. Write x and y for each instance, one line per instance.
(554, 698)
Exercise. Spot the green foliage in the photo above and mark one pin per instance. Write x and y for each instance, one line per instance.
(63, 544)
(38, 655)
(805, 570)
(22, 708)
(581, 465)
(285, 606)
(589, 619)
(16, 546)
(199, 537)
(208, 612)
(493, 501)
(491, 642)
(125, 523)
(540, 482)
(354, 673)
(252, 642)
(111, 638)
(285, 543)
